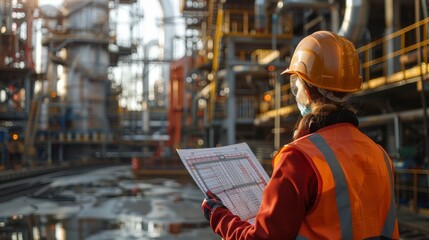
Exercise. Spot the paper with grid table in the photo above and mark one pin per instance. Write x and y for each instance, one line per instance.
(231, 172)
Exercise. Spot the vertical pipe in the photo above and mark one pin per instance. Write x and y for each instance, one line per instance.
(246, 22)
(169, 34)
(389, 48)
(425, 8)
(415, 195)
(277, 87)
(60, 153)
(8, 15)
(145, 102)
(29, 41)
(260, 15)
(211, 137)
(422, 81)
(28, 93)
(335, 16)
(49, 150)
(231, 104)
(397, 130)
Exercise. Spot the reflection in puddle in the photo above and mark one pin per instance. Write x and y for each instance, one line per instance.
(104, 205)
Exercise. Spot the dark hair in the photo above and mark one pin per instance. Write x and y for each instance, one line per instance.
(321, 108)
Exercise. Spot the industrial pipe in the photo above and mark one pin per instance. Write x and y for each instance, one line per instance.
(355, 17)
(284, 5)
(261, 15)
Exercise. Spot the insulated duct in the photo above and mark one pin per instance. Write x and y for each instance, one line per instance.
(316, 4)
(355, 19)
(355, 16)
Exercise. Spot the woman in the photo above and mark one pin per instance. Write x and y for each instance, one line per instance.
(332, 181)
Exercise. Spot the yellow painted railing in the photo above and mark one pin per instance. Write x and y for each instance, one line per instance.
(395, 57)
(412, 190)
(232, 23)
(241, 23)
(215, 64)
(237, 21)
(391, 59)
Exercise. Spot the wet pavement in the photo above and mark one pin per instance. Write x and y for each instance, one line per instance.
(107, 204)
(110, 204)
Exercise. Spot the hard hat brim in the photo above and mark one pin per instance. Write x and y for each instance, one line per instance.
(287, 71)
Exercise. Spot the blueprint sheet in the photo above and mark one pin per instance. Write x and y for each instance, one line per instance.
(231, 172)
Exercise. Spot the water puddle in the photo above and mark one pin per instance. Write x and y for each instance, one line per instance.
(107, 204)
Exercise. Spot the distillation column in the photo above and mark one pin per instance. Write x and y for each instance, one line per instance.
(87, 27)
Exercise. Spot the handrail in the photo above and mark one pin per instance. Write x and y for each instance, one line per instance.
(239, 22)
(394, 34)
(403, 50)
(231, 22)
(232, 26)
(412, 189)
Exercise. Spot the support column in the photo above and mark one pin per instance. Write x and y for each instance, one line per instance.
(335, 16)
(277, 87)
(392, 23)
(211, 137)
(231, 101)
(28, 93)
(422, 81)
(145, 103)
(231, 108)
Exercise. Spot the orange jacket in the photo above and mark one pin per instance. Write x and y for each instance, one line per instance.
(294, 204)
(357, 197)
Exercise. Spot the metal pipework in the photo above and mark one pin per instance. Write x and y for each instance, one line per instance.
(355, 17)
(288, 4)
(261, 14)
(169, 34)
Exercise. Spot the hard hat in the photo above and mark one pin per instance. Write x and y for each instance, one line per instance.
(327, 61)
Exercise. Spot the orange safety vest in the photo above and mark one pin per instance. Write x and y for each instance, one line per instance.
(356, 196)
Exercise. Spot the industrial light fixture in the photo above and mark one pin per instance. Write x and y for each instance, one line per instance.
(15, 137)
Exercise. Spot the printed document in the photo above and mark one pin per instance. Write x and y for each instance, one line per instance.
(231, 172)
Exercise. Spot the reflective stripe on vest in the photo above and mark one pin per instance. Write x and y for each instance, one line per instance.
(389, 225)
(341, 188)
(342, 193)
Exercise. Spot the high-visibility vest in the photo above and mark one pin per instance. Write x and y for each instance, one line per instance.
(356, 196)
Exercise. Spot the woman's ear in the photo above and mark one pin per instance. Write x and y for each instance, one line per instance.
(307, 93)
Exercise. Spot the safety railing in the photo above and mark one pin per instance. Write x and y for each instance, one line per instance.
(237, 21)
(412, 190)
(231, 22)
(242, 22)
(397, 57)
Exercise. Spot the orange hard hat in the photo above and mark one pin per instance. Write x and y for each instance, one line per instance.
(328, 61)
